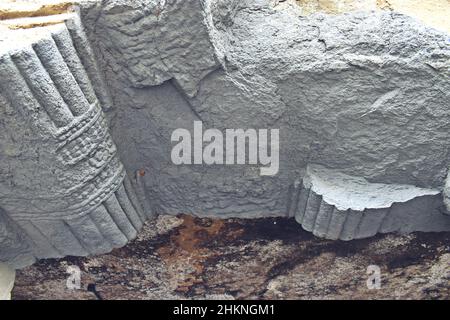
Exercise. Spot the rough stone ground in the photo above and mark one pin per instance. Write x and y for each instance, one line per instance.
(186, 257)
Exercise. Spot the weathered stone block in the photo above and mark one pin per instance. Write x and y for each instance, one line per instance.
(86, 102)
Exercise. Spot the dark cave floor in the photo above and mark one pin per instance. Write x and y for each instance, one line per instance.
(191, 258)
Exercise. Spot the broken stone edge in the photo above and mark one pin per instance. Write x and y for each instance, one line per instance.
(316, 208)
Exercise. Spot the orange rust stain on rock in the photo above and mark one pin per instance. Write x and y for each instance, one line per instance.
(187, 251)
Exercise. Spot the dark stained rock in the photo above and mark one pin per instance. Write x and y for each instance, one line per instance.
(186, 257)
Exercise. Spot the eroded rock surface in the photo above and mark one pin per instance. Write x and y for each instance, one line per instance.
(87, 102)
(363, 93)
(351, 92)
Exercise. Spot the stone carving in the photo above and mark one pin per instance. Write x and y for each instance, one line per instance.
(361, 101)
(338, 206)
(63, 189)
(350, 92)
(7, 276)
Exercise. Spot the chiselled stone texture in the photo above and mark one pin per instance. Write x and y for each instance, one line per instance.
(148, 42)
(364, 96)
(335, 206)
(63, 189)
(363, 93)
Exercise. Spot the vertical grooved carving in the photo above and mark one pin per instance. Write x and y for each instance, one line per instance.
(108, 227)
(42, 246)
(80, 203)
(303, 200)
(128, 208)
(43, 87)
(133, 197)
(20, 96)
(119, 217)
(66, 48)
(87, 57)
(62, 77)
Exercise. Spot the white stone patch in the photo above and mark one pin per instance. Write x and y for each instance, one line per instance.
(356, 193)
(7, 276)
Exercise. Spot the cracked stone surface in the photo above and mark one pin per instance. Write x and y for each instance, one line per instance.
(185, 257)
(274, 70)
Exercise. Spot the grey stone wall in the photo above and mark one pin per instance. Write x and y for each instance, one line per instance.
(362, 93)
